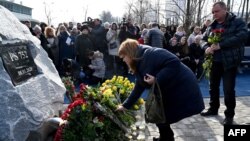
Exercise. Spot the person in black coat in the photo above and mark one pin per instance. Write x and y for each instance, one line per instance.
(227, 56)
(180, 90)
(70, 68)
(84, 45)
(196, 54)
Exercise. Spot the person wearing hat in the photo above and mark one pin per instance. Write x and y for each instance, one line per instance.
(85, 27)
(83, 45)
(28, 24)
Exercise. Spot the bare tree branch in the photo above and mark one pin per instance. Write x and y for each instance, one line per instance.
(176, 4)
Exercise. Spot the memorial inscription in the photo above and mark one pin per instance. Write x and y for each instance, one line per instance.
(18, 62)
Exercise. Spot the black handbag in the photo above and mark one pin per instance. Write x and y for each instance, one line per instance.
(154, 109)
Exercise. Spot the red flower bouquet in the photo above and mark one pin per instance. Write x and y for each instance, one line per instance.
(213, 38)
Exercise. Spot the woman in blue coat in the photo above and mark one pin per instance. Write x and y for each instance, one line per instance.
(180, 90)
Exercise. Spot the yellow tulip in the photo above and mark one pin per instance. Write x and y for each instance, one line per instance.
(141, 101)
(114, 77)
(103, 84)
(122, 91)
(136, 107)
(114, 88)
(107, 91)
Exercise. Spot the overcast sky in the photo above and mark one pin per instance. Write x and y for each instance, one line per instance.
(73, 10)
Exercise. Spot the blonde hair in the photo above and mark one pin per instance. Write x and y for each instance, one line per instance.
(49, 30)
(129, 48)
(180, 28)
(61, 27)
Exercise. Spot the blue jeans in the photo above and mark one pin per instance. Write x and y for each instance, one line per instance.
(228, 77)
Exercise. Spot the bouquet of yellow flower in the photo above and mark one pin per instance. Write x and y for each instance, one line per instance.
(119, 88)
(213, 38)
(91, 114)
(114, 92)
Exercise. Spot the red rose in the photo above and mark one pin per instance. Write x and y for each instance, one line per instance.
(222, 30)
(219, 30)
(101, 118)
(83, 86)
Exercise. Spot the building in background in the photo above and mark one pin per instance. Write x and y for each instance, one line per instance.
(23, 13)
(173, 12)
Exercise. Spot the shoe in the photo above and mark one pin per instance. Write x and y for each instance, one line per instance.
(209, 113)
(228, 121)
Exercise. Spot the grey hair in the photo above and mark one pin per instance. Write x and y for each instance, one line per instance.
(37, 28)
(221, 4)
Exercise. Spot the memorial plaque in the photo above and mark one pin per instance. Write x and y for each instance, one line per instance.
(39, 91)
(18, 62)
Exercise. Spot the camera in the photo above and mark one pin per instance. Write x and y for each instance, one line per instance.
(124, 22)
(89, 22)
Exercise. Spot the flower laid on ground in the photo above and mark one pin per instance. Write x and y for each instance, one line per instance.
(91, 114)
(70, 87)
(213, 38)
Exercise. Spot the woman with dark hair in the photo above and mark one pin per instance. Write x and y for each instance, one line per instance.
(181, 94)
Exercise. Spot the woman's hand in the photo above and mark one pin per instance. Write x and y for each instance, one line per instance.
(120, 108)
(150, 79)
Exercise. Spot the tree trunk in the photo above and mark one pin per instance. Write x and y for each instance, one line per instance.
(188, 17)
(247, 12)
(141, 17)
(243, 9)
(199, 13)
(232, 5)
(158, 11)
(228, 5)
(239, 8)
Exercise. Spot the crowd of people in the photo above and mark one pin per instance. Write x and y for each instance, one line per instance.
(77, 41)
(90, 53)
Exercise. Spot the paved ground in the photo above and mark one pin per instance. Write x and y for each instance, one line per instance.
(198, 128)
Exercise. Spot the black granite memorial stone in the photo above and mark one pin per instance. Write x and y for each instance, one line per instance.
(18, 62)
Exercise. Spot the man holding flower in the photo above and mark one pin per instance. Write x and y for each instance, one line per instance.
(224, 41)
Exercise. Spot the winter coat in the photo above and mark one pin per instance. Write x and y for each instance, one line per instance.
(113, 42)
(64, 50)
(84, 45)
(99, 38)
(180, 91)
(196, 52)
(98, 65)
(232, 40)
(53, 45)
(155, 38)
